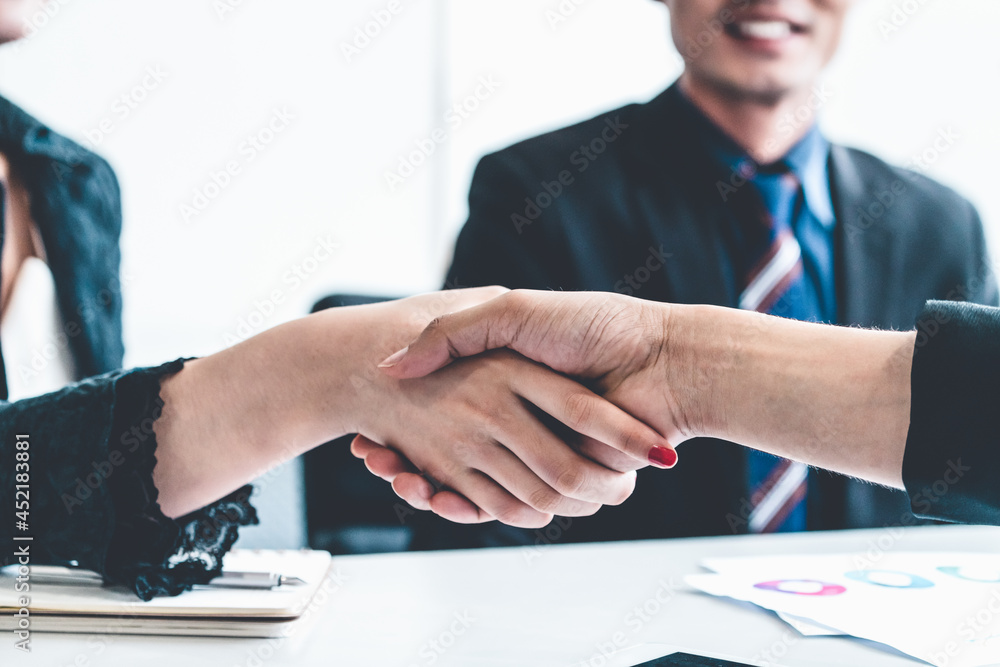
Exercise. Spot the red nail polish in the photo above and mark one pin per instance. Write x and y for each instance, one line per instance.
(661, 457)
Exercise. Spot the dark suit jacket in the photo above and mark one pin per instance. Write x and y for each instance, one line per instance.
(76, 203)
(952, 461)
(628, 201)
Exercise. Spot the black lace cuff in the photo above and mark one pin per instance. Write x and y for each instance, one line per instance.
(151, 554)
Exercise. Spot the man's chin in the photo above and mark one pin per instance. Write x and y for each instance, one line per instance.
(756, 87)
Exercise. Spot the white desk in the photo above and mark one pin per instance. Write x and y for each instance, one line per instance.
(552, 606)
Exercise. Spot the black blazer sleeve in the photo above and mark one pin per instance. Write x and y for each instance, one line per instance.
(952, 461)
(76, 476)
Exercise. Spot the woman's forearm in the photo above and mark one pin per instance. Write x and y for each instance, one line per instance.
(834, 397)
(230, 417)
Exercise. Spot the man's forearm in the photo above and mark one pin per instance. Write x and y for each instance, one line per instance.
(833, 397)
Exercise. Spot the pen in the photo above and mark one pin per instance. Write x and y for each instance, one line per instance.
(254, 580)
(228, 579)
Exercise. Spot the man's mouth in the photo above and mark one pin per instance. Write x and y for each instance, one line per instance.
(770, 30)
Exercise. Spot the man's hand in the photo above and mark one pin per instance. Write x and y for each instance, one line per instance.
(616, 342)
(503, 431)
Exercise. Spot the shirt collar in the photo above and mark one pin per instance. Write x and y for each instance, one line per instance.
(808, 160)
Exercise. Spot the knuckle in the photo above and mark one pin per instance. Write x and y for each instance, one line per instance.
(517, 299)
(538, 521)
(629, 440)
(463, 450)
(624, 492)
(579, 408)
(483, 435)
(572, 482)
(485, 426)
(545, 500)
(511, 513)
(445, 472)
(583, 509)
(434, 325)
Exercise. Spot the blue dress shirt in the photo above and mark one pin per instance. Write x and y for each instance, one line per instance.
(814, 225)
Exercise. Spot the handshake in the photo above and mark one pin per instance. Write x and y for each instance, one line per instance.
(533, 404)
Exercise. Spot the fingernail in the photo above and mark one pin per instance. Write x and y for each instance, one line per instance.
(395, 358)
(661, 457)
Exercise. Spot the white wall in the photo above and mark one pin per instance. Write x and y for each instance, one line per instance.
(896, 89)
(190, 284)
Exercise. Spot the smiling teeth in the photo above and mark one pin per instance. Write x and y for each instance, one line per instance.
(765, 29)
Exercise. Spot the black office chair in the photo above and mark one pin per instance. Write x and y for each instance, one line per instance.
(349, 510)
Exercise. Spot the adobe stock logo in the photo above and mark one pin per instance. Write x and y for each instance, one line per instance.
(562, 13)
(901, 14)
(46, 12)
(453, 119)
(265, 307)
(370, 31)
(582, 159)
(125, 105)
(249, 150)
(224, 7)
(632, 282)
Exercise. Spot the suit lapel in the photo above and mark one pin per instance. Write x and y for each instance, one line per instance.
(679, 205)
(865, 263)
(684, 212)
(866, 272)
(699, 271)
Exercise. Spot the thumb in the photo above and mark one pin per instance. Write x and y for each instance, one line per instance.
(463, 334)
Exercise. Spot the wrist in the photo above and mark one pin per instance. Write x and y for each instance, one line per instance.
(332, 370)
(697, 359)
(229, 417)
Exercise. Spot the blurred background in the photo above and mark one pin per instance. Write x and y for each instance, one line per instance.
(272, 153)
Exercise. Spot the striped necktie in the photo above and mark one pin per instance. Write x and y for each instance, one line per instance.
(776, 284)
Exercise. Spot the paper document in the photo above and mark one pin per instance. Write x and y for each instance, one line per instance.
(943, 608)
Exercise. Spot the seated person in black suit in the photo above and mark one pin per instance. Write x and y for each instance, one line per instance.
(723, 191)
